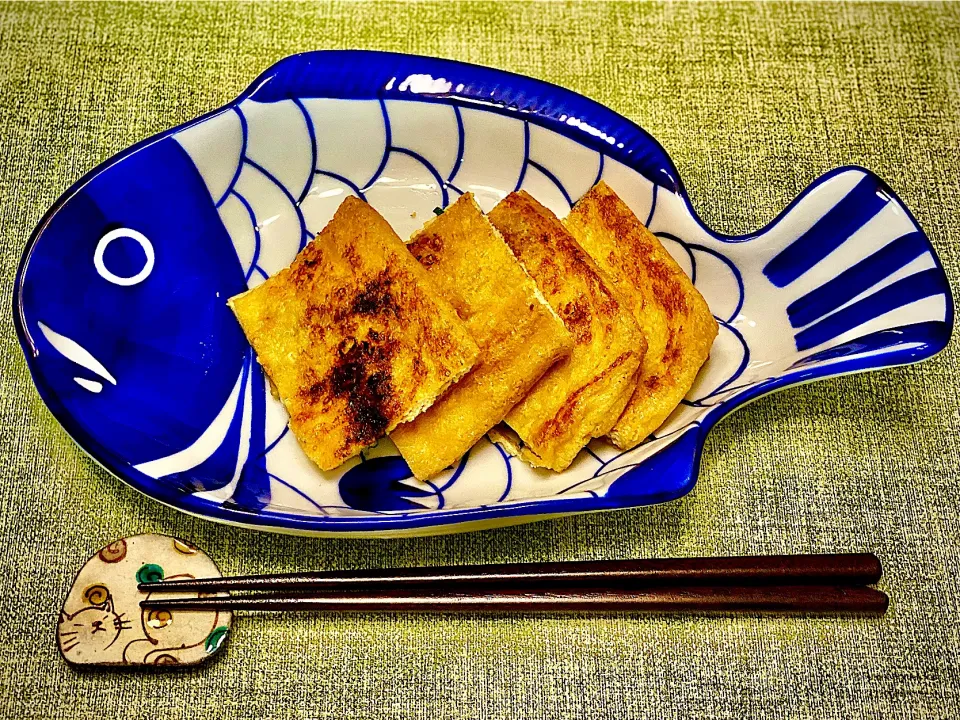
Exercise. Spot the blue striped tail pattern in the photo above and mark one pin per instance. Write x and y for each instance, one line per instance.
(870, 259)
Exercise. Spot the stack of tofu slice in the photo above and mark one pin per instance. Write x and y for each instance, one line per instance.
(541, 333)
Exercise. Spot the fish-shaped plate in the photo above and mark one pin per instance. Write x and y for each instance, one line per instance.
(120, 298)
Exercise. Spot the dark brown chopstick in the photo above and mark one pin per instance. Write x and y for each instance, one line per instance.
(835, 570)
(718, 600)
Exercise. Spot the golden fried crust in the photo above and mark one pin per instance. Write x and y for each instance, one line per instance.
(353, 336)
(519, 335)
(581, 396)
(674, 317)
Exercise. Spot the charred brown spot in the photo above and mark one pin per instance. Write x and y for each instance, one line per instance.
(419, 369)
(351, 256)
(605, 303)
(639, 246)
(659, 272)
(361, 375)
(671, 353)
(614, 213)
(576, 316)
(576, 258)
(311, 383)
(437, 342)
(672, 299)
(667, 291)
(546, 271)
(559, 424)
(425, 249)
(621, 359)
(307, 265)
(315, 316)
(376, 298)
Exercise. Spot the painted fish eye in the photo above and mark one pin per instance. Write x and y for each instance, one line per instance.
(144, 244)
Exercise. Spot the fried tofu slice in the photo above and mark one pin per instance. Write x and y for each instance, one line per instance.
(519, 334)
(581, 396)
(673, 315)
(353, 336)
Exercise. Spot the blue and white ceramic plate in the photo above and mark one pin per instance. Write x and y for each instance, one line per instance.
(120, 295)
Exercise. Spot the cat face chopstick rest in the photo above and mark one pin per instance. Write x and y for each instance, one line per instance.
(102, 623)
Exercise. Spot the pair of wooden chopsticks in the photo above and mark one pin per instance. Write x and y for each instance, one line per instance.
(788, 584)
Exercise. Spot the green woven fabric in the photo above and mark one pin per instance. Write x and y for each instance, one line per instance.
(752, 102)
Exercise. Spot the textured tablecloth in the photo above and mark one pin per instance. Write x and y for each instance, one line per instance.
(752, 102)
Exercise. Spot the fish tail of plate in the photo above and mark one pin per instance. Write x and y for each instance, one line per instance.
(856, 274)
(844, 277)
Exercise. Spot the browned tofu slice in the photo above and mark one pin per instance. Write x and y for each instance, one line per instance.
(353, 336)
(581, 396)
(674, 317)
(519, 334)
